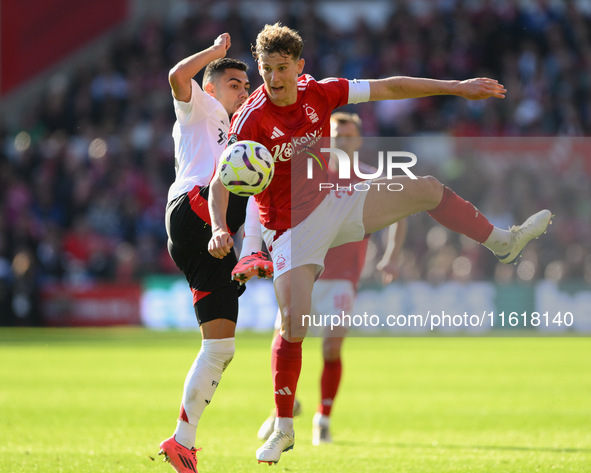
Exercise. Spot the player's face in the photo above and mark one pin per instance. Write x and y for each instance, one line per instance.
(280, 74)
(345, 136)
(231, 89)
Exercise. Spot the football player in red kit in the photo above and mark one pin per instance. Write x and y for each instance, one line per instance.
(289, 114)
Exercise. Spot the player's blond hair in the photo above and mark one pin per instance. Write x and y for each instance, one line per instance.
(278, 39)
(345, 117)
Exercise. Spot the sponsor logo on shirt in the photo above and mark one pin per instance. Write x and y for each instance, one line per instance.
(284, 151)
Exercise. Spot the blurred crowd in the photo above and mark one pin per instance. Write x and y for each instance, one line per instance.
(84, 176)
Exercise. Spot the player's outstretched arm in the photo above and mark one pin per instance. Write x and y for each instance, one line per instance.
(402, 87)
(181, 74)
(221, 241)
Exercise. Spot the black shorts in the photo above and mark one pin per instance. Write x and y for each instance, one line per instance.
(215, 295)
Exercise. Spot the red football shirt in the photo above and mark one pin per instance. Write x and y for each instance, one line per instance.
(305, 122)
(346, 261)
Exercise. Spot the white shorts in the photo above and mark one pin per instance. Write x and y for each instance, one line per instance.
(336, 221)
(330, 296)
(333, 296)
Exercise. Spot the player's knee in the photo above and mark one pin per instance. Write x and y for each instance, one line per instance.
(293, 327)
(226, 358)
(331, 348)
(331, 353)
(217, 353)
(430, 189)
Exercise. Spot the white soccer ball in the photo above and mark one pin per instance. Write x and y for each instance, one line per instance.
(246, 168)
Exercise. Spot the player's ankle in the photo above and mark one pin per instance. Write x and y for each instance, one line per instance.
(499, 241)
(284, 423)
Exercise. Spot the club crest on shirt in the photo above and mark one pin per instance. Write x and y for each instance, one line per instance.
(312, 115)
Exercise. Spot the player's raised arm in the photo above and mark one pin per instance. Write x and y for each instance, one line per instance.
(221, 242)
(181, 74)
(401, 87)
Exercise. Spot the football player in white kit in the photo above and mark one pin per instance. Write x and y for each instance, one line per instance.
(200, 136)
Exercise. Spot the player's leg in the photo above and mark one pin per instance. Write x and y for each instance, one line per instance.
(331, 372)
(200, 384)
(293, 290)
(214, 356)
(330, 296)
(383, 207)
(215, 299)
(267, 427)
(330, 381)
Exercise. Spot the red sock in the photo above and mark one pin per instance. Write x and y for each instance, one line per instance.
(286, 364)
(461, 216)
(329, 385)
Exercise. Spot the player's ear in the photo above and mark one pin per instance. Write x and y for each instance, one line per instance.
(210, 88)
(300, 65)
(260, 68)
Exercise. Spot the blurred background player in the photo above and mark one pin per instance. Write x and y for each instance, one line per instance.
(335, 291)
(200, 135)
(300, 106)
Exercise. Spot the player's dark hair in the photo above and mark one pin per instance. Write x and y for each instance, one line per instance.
(218, 66)
(278, 39)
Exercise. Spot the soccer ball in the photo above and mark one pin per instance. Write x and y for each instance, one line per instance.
(246, 168)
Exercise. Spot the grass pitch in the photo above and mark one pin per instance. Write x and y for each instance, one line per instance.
(101, 401)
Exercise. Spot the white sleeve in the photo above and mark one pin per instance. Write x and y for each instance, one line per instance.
(358, 91)
(253, 237)
(193, 110)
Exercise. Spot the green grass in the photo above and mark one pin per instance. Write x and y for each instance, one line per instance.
(102, 400)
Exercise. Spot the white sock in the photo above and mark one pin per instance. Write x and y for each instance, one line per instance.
(200, 384)
(253, 237)
(284, 423)
(250, 244)
(499, 241)
(320, 420)
(185, 433)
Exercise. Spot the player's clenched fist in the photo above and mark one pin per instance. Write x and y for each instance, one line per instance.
(220, 244)
(223, 41)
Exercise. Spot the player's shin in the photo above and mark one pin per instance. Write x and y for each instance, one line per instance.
(329, 385)
(461, 216)
(286, 364)
(200, 384)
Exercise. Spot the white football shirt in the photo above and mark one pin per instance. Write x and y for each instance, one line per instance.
(200, 135)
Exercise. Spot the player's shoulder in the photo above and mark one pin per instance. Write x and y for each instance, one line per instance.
(309, 80)
(324, 86)
(306, 81)
(198, 95)
(199, 106)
